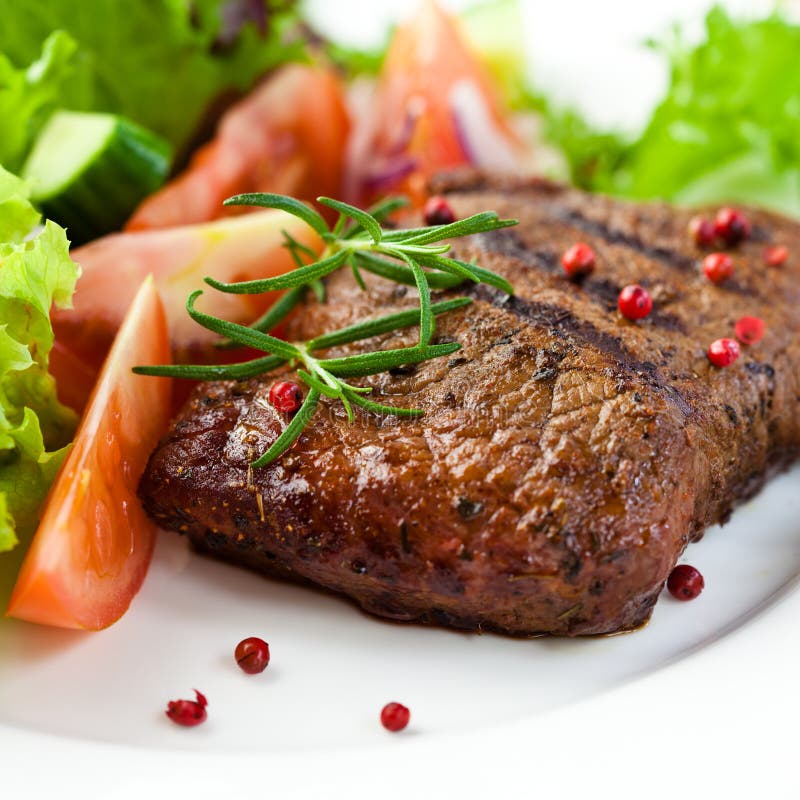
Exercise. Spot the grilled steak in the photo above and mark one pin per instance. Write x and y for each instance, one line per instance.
(566, 456)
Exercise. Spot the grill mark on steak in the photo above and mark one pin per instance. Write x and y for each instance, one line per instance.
(629, 240)
(606, 294)
(560, 321)
(664, 255)
(603, 291)
(508, 242)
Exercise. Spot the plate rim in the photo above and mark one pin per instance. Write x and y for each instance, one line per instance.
(696, 687)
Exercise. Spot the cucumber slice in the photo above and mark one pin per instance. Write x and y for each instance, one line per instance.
(89, 171)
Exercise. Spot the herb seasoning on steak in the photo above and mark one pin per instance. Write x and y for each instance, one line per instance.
(566, 456)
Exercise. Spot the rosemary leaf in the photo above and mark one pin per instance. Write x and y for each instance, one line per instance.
(348, 408)
(295, 248)
(365, 220)
(358, 389)
(413, 249)
(426, 323)
(476, 273)
(283, 203)
(317, 384)
(379, 212)
(489, 277)
(318, 288)
(478, 223)
(357, 275)
(378, 408)
(297, 277)
(341, 224)
(398, 273)
(291, 431)
(216, 372)
(281, 309)
(273, 316)
(387, 324)
(371, 363)
(449, 265)
(240, 333)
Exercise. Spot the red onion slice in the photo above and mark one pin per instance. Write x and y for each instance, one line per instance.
(386, 176)
(483, 144)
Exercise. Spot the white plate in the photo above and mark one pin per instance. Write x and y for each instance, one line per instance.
(316, 708)
(83, 713)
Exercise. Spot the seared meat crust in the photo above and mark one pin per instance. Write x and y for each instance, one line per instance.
(566, 456)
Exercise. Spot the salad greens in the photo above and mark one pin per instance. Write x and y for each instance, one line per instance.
(34, 427)
(29, 94)
(728, 129)
(160, 63)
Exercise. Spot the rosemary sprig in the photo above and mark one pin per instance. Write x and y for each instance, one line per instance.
(364, 235)
(415, 257)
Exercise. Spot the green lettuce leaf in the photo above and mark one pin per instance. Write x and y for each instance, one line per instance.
(727, 130)
(35, 429)
(29, 94)
(17, 215)
(160, 63)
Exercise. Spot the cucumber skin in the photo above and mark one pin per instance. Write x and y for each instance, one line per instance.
(100, 199)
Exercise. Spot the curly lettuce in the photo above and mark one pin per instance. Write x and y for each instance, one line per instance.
(35, 429)
(29, 94)
(727, 130)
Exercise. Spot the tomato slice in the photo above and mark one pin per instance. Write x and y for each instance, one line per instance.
(435, 108)
(232, 249)
(92, 548)
(287, 136)
(75, 377)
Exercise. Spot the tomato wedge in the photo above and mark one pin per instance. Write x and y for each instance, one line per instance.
(435, 108)
(232, 249)
(75, 377)
(287, 136)
(93, 546)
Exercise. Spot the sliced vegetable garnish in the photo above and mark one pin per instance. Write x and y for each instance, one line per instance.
(89, 171)
(435, 108)
(289, 135)
(93, 545)
(234, 249)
